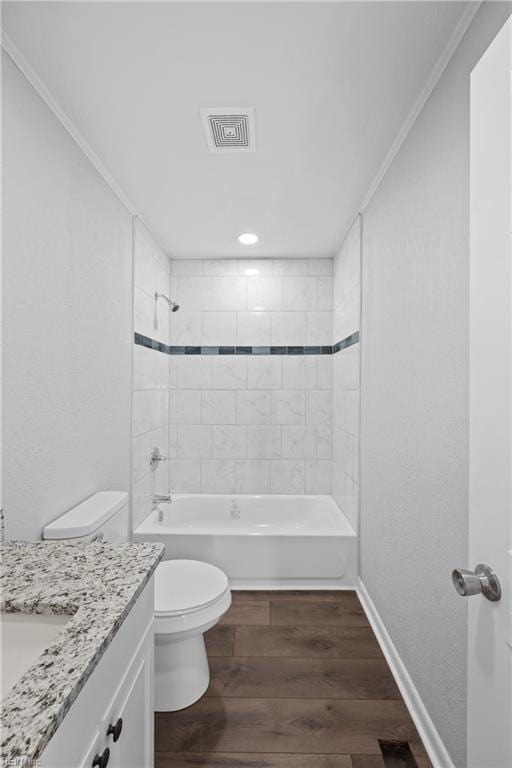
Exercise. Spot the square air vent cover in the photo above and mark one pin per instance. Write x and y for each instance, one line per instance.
(229, 129)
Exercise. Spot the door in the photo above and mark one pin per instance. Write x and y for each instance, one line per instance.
(490, 408)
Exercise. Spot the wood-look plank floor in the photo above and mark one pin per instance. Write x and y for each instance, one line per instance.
(297, 681)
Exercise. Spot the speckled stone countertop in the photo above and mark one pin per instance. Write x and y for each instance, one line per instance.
(98, 584)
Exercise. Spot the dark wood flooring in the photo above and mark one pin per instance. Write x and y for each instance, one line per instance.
(297, 681)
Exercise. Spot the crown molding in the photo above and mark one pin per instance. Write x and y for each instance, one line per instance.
(442, 62)
(42, 90)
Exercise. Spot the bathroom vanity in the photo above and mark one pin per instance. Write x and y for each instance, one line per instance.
(87, 699)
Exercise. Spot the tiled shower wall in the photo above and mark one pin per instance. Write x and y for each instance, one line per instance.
(150, 409)
(345, 415)
(260, 422)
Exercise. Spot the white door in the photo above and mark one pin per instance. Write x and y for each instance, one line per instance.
(490, 411)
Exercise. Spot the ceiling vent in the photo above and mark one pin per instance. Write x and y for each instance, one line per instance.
(229, 129)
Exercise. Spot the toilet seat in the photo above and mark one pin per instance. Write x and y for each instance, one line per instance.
(186, 586)
(189, 596)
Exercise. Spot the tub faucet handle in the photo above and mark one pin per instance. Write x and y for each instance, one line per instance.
(156, 458)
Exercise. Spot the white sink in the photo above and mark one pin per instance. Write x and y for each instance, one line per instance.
(24, 637)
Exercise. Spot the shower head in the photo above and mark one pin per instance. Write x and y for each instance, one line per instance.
(172, 304)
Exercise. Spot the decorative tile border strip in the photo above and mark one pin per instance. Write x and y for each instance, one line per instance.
(146, 341)
(348, 341)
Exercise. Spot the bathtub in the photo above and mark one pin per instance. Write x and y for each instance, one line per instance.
(265, 541)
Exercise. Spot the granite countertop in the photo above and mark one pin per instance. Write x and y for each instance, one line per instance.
(98, 584)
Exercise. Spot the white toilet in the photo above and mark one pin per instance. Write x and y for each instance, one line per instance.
(190, 598)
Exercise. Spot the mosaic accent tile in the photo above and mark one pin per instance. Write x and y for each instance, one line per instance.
(158, 346)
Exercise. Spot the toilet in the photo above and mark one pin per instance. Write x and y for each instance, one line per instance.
(190, 598)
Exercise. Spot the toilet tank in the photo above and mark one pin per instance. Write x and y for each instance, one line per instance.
(103, 516)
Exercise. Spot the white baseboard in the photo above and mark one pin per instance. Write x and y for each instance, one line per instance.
(430, 737)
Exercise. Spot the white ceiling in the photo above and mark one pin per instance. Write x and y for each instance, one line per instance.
(332, 84)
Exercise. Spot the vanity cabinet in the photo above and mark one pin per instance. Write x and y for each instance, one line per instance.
(110, 724)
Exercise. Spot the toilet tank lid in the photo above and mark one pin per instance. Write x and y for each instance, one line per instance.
(86, 517)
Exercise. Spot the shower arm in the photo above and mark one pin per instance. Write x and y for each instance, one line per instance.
(172, 304)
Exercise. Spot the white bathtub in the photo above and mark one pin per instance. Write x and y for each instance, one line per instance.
(259, 541)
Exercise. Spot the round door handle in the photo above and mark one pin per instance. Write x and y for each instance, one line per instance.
(481, 581)
(101, 761)
(115, 730)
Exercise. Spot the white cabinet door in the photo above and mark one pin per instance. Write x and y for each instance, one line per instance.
(134, 707)
(121, 686)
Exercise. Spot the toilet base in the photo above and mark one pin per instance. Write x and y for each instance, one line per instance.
(182, 673)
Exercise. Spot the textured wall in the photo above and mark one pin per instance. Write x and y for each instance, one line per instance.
(345, 375)
(242, 423)
(67, 319)
(414, 428)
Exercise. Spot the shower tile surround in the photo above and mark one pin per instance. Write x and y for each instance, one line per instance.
(345, 391)
(150, 404)
(241, 401)
(252, 415)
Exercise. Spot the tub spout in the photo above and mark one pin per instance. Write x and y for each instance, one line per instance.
(161, 497)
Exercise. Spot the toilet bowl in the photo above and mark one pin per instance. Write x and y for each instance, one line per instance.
(190, 598)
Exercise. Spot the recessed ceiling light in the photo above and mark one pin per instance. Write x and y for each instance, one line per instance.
(248, 238)
(251, 271)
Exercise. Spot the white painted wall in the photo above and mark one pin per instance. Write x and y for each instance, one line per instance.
(67, 274)
(345, 375)
(414, 428)
(258, 423)
(150, 414)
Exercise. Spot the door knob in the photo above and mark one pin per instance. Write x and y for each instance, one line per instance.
(481, 581)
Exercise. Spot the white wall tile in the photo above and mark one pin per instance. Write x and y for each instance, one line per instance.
(254, 267)
(267, 418)
(299, 372)
(229, 371)
(264, 372)
(150, 410)
(193, 371)
(324, 293)
(217, 476)
(185, 406)
(319, 328)
(300, 293)
(186, 267)
(186, 328)
(254, 329)
(142, 445)
(254, 406)
(299, 442)
(288, 406)
(230, 294)
(324, 441)
(219, 329)
(263, 441)
(185, 475)
(218, 406)
(252, 476)
(345, 381)
(290, 267)
(229, 442)
(324, 371)
(220, 267)
(264, 293)
(287, 476)
(319, 406)
(318, 476)
(288, 328)
(194, 441)
(150, 317)
(320, 266)
(150, 369)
